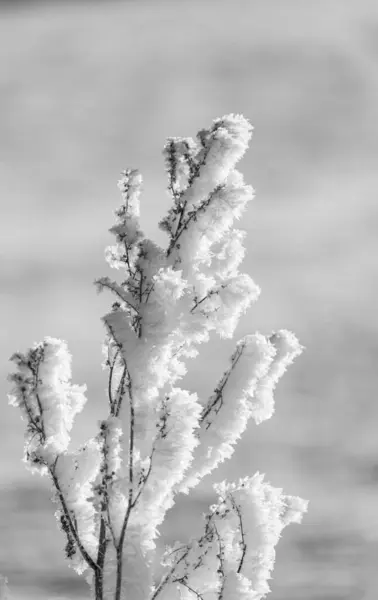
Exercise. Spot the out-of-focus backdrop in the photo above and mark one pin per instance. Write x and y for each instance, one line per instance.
(88, 89)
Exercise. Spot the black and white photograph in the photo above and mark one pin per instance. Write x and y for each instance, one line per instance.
(188, 299)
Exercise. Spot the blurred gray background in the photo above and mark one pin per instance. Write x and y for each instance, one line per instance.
(88, 89)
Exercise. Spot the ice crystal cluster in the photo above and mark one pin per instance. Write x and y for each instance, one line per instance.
(160, 440)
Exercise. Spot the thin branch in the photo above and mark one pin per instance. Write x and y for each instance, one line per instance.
(99, 574)
(164, 580)
(104, 492)
(128, 258)
(172, 169)
(195, 169)
(192, 215)
(116, 289)
(111, 371)
(119, 547)
(120, 392)
(38, 428)
(183, 582)
(194, 174)
(151, 289)
(221, 570)
(125, 373)
(190, 162)
(120, 551)
(35, 372)
(219, 390)
(110, 527)
(143, 484)
(242, 542)
(91, 563)
(208, 295)
(206, 537)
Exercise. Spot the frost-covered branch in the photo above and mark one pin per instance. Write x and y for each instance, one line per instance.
(49, 403)
(235, 555)
(244, 391)
(158, 439)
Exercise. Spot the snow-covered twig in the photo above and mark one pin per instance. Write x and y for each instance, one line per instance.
(159, 439)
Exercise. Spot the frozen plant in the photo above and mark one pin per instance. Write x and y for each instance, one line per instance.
(160, 440)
